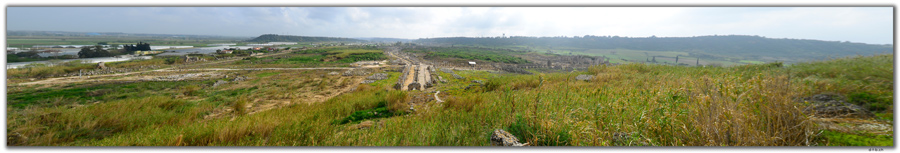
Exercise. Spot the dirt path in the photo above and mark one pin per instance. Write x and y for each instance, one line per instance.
(423, 76)
(436, 96)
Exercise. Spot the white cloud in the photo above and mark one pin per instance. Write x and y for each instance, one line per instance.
(858, 24)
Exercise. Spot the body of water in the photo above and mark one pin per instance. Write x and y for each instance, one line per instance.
(87, 60)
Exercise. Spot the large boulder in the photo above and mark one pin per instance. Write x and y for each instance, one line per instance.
(503, 138)
(100, 65)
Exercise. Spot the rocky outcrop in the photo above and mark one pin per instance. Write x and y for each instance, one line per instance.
(503, 138)
(833, 105)
(239, 78)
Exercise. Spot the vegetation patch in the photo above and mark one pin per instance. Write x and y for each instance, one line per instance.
(834, 138)
(471, 53)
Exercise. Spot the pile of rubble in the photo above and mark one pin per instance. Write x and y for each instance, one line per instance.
(375, 77)
(178, 77)
(355, 72)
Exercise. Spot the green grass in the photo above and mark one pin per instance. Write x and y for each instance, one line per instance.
(47, 97)
(834, 138)
(324, 57)
(266, 74)
(484, 54)
(624, 105)
(864, 80)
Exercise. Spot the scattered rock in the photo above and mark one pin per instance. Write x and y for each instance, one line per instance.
(584, 77)
(458, 77)
(513, 69)
(503, 138)
(333, 73)
(176, 77)
(620, 137)
(355, 72)
(367, 81)
(239, 78)
(442, 79)
(219, 82)
(446, 70)
(378, 76)
(478, 81)
(833, 105)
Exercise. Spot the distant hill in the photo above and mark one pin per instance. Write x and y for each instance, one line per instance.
(289, 38)
(378, 39)
(752, 47)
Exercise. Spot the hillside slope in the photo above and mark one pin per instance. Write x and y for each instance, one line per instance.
(289, 38)
(750, 47)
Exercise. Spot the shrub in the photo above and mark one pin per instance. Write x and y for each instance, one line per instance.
(464, 103)
(190, 90)
(397, 101)
(240, 105)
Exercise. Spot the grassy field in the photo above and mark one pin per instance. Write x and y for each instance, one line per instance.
(471, 53)
(324, 57)
(625, 56)
(625, 105)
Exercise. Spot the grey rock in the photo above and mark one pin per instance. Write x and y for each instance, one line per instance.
(378, 76)
(219, 82)
(833, 105)
(478, 81)
(503, 138)
(367, 81)
(446, 70)
(458, 77)
(239, 78)
(584, 77)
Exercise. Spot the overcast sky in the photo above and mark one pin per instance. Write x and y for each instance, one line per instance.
(856, 24)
